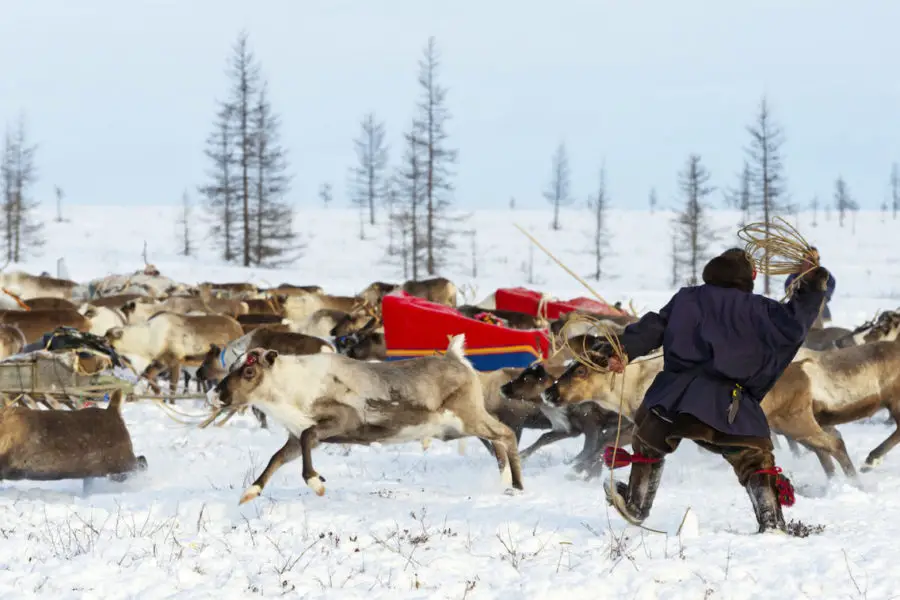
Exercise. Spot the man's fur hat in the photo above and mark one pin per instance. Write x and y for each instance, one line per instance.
(731, 269)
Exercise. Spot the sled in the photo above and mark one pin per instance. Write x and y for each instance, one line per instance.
(529, 301)
(415, 327)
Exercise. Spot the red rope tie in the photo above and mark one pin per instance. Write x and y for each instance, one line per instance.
(783, 485)
(619, 457)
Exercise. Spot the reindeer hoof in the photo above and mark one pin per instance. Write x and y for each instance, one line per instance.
(252, 492)
(870, 464)
(315, 483)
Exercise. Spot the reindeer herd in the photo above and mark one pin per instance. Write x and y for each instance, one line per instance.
(316, 363)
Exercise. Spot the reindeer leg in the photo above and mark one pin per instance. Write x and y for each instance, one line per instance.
(876, 456)
(261, 417)
(504, 441)
(794, 446)
(545, 440)
(174, 378)
(290, 451)
(308, 440)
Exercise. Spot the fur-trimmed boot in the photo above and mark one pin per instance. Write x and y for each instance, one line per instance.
(761, 489)
(640, 491)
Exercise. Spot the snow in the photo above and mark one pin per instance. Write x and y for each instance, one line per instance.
(397, 521)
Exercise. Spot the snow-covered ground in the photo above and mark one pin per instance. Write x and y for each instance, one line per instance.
(400, 522)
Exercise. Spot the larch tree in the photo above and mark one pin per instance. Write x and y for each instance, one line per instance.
(185, 219)
(245, 81)
(740, 197)
(843, 201)
(600, 242)
(653, 200)
(437, 158)
(369, 175)
(221, 190)
(325, 194)
(557, 192)
(22, 230)
(694, 232)
(409, 200)
(814, 206)
(275, 243)
(767, 180)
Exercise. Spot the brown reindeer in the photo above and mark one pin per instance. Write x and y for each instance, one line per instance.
(366, 344)
(115, 301)
(272, 304)
(299, 308)
(251, 322)
(286, 289)
(604, 323)
(46, 445)
(49, 303)
(205, 304)
(28, 286)
(330, 398)
(439, 290)
(171, 339)
(35, 323)
(324, 321)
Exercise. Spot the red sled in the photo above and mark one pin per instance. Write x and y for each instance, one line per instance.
(415, 327)
(528, 301)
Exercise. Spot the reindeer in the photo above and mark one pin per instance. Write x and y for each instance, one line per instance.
(325, 321)
(251, 322)
(35, 323)
(299, 308)
(48, 445)
(366, 344)
(287, 289)
(28, 286)
(48, 303)
(439, 290)
(272, 304)
(115, 301)
(103, 318)
(205, 304)
(330, 398)
(171, 339)
(596, 325)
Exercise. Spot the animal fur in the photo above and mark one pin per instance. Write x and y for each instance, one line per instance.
(66, 444)
(35, 323)
(334, 399)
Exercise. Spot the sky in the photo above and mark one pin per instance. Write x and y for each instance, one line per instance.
(120, 95)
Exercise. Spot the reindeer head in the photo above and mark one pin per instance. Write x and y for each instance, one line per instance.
(245, 377)
(529, 384)
(579, 383)
(213, 367)
(345, 343)
(352, 322)
(884, 329)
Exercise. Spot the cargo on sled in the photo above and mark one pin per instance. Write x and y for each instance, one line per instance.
(415, 327)
(529, 302)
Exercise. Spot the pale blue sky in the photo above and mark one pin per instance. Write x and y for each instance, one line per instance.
(120, 94)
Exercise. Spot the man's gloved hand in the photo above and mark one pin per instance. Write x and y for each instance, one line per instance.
(603, 353)
(817, 279)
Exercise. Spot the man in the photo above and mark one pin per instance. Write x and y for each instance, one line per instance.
(826, 311)
(724, 348)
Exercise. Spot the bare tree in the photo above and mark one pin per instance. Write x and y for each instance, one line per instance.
(884, 210)
(221, 191)
(409, 202)
(598, 204)
(184, 225)
(274, 242)
(673, 256)
(654, 200)
(59, 197)
(436, 160)
(766, 172)
(557, 192)
(325, 194)
(843, 202)
(694, 232)
(245, 78)
(368, 176)
(740, 198)
(895, 189)
(512, 203)
(23, 232)
(814, 205)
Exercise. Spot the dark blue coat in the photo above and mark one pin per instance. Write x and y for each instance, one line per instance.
(716, 337)
(826, 312)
